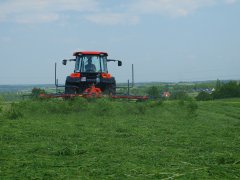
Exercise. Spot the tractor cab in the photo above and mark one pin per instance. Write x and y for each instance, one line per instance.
(91, 63)
(90, 68)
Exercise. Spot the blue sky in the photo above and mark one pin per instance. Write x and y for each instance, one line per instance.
(166, 40)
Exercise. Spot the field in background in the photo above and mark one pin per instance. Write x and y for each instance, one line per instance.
(11, 93)
(111, 139)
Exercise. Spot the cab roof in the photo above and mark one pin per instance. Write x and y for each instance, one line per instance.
(89, 53)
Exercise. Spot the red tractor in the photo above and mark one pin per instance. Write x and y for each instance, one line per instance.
(90, 69)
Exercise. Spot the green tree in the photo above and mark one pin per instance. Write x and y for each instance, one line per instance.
(218, 84)
(180, 95)
(153, 91)
(37, 91)
(228, 90)
(204, 96)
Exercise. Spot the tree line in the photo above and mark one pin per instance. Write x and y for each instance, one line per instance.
(230, 89)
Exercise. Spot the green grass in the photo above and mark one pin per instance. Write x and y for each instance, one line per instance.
(120, 140)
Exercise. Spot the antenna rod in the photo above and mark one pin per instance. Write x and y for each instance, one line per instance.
(56, 83)
(132, 75)
(128, 88)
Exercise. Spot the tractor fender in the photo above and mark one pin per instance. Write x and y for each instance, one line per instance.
(73, 80)
(108, 80)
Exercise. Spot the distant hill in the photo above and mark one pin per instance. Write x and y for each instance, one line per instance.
(22, 88)
(17, 88)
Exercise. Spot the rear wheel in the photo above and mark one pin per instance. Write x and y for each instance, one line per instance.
(70, 90)
(110, 89)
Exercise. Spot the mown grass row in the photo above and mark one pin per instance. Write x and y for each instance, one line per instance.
(99, 107)
(81, 139)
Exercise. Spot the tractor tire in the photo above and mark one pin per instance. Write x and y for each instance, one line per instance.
(70, 90)
(110, 89)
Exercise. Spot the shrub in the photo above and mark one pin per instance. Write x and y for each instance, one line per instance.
(181, 102)
(138, 108)
(37, 91)
(14, 112)
(57, 106)
(60, 106)
(141, 108)
(153, 91)
(181, 95)
(1, 104)
(157, 103)
(192, 107)
(204, 96)
(103, 107)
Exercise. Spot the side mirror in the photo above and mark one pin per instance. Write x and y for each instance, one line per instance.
(119, 63)
(64, 62)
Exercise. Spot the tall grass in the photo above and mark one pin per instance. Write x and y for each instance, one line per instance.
(98, 107)
(106, 139)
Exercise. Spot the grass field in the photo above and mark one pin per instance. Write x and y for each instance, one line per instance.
(120, 140)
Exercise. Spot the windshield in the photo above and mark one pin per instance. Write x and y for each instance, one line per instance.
(91, 63)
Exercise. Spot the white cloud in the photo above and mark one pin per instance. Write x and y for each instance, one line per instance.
(112, 18)
(173, 7)
(5, 39)
(40, 11)
(96, 11)
(230, 1)
(36, 18)
(169, 7)
(2, 17)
